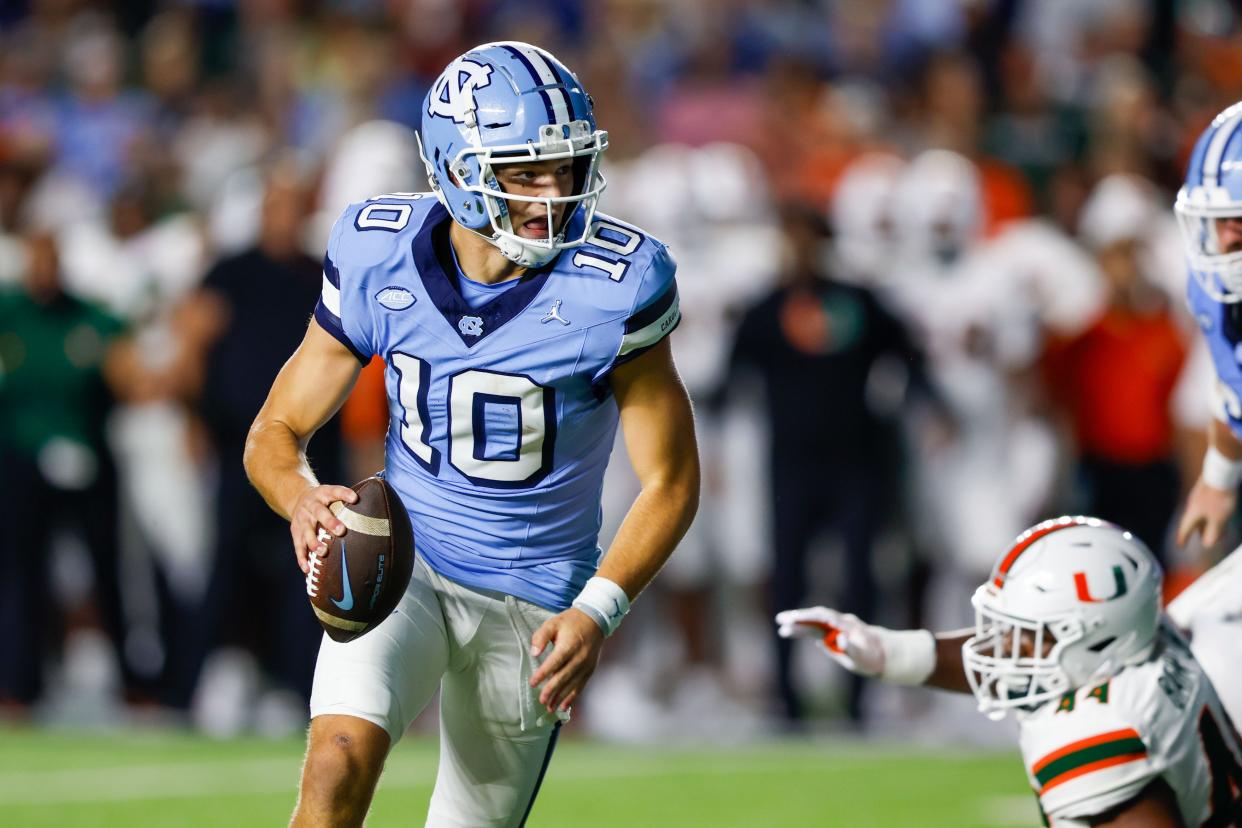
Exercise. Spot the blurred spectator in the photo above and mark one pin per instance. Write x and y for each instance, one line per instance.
(252, 311)
(55, 470)
(815, 340)
(99, 125)
(711, 204)
(1117, 378)
(1032, 134)
(976, 486)
(140, 265)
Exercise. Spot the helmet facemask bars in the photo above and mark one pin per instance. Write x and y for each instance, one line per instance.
(1013, 663)
(1218, 271)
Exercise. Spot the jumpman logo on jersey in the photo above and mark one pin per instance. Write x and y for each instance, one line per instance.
(555, 314)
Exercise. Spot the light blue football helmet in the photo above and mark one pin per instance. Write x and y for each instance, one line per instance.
(505, 102)
(1213, 191)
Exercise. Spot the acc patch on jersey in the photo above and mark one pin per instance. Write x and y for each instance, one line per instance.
(395, 298)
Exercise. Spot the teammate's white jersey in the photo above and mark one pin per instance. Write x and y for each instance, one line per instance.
(1100, 746)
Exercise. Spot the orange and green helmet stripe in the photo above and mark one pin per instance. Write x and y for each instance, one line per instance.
(1082, 757)
(1028, 538)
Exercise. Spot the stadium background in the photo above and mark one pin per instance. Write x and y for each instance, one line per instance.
(182, 161)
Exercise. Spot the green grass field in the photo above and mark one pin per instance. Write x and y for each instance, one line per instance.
(52, 778)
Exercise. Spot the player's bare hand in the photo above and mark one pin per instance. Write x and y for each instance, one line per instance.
(1207, 511)
(310, 514)
(851, 643)
(576, 642)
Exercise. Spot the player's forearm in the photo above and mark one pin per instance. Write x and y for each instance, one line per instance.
(949, 672)
(1222, 438)
(652, 528)
(1222, 464)
(309, 389)
(276, 464)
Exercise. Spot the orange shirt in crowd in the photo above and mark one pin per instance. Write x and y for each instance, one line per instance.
(364, 417)
(1116, 379)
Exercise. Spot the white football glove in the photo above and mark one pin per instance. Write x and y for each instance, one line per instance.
(900, 656)
(851, 643)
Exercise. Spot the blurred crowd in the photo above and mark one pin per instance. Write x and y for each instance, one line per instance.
(931, 285)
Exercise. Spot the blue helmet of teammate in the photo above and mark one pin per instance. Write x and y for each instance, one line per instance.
(1213, 193)
(506, 102)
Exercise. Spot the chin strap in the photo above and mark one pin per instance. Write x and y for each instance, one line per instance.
(520, 254)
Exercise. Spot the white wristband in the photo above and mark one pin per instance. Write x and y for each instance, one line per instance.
(909, 655)
(605, 602)
(1220, 472)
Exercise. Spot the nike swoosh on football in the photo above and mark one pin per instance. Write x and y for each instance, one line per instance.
(347, 600)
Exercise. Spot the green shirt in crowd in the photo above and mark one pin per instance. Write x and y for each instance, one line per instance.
(51, 380)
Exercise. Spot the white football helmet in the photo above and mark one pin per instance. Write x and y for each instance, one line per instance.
(938, 206)
(1074, 600)
(1212, 193)
(861, 213)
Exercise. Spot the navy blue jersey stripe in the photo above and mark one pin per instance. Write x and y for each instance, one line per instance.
(653, 311)
(547, 759)
(332, 325)
(329, 270)
(433, 261)
(637, 352)
(538, 81)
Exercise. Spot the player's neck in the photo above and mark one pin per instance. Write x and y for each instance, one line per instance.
(480, 260)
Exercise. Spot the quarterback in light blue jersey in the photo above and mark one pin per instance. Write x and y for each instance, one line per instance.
(518, 327)
(1209, 213)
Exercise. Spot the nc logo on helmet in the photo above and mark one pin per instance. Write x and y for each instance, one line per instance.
(453, 96)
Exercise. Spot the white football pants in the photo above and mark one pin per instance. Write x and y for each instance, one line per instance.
(495, 737)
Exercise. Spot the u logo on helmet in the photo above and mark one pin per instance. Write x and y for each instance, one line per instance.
(453, 97)
(1084, 592)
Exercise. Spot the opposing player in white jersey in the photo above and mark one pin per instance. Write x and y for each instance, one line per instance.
(1119, 725)
(508, 366)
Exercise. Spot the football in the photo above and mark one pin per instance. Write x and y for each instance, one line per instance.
(357, 582)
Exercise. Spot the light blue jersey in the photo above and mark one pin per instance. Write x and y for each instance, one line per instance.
(1223, 335)
(500, 416)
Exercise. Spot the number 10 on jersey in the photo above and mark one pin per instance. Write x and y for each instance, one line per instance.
(502, 427)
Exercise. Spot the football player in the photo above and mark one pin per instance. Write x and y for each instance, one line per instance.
(518, 326)
(1209, 213)
(1209, 613)
(1119, 725)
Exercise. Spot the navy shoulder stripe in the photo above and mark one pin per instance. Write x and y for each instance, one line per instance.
(652, 312)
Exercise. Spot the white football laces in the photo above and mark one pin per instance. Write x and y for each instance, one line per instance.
(312, 573)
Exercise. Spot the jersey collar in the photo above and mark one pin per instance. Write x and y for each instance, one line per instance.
(472, 325)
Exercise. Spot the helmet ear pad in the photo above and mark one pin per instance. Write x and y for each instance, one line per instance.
(1083, 662)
